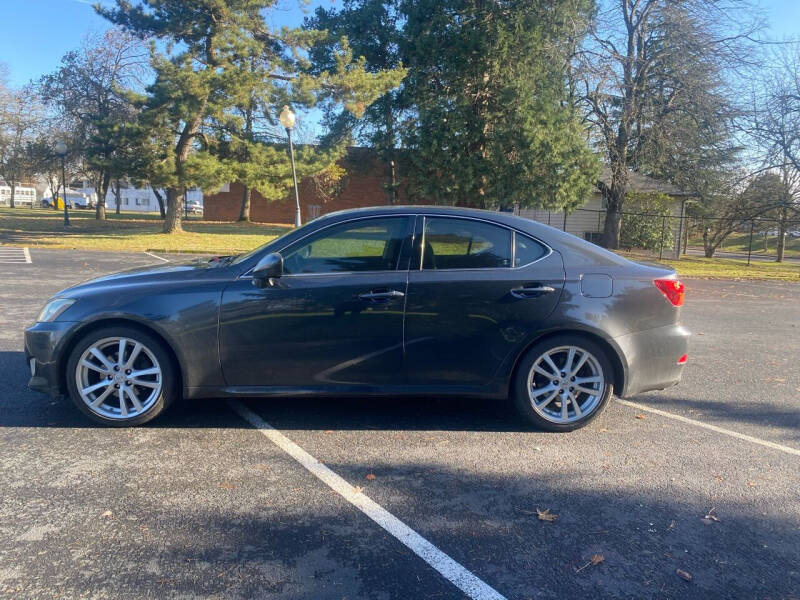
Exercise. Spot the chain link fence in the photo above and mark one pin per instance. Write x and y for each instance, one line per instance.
(671, 236)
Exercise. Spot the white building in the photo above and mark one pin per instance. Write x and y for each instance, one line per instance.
(144, 199)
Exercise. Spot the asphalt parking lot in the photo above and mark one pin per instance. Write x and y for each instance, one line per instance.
(201, 504)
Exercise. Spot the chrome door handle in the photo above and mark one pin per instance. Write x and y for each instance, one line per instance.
(382, 295)
(532, 292)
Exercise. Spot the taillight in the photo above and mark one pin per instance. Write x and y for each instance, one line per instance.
(672, 289)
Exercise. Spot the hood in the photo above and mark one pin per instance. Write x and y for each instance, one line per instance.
(176, 273)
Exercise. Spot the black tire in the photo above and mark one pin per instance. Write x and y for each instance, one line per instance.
(519, 387)
(170, 380)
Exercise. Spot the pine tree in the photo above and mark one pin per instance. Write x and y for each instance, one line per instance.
(206, 71)
(494, 123)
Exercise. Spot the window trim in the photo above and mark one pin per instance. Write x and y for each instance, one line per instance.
(513, 231)
(410, 223)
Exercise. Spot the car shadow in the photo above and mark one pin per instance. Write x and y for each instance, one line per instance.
(20, 407)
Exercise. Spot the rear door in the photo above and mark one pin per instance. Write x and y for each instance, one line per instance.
(477, 291)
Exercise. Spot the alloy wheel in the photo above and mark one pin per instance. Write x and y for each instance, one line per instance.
(118, 378)
(566, 384)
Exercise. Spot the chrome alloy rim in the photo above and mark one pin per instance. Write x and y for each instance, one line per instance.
(118, 378)
(565, 384)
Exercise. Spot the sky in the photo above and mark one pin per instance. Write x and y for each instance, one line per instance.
(35, 34)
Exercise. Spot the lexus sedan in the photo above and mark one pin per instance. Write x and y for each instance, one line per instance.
(382, 301)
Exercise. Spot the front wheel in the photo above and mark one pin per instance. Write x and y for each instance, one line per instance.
(121, 376)
(563, 383)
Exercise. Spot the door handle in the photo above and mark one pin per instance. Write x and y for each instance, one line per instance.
(532, 291)
(381, 295)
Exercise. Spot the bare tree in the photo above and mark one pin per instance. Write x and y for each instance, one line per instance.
(777, 130)
(89, 93)
(19, 116)
(646, 63)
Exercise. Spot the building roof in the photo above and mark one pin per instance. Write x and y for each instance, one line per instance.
(638, 182)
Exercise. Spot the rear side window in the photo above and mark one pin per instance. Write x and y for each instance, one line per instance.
(452, 243)
(527, 250)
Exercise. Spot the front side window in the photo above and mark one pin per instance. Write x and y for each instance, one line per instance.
(363, 245)
(452, 243)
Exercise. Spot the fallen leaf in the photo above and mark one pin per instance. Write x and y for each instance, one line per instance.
(370, 476)
(226, 485)
(546, 515)
(329, 431)
(357, 489)
(710, 517)
(595, 560)
(640, 417)
(684, 575)
(108, 513)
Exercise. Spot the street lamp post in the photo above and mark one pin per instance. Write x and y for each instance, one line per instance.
(61, 150)
(287, 120)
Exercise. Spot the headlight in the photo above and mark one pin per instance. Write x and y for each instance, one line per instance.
(52, 309)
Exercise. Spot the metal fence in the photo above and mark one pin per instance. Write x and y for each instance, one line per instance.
(678, 235)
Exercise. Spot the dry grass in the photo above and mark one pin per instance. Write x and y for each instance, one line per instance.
(129, 232)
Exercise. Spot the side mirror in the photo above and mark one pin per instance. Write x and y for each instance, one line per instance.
(268, 268)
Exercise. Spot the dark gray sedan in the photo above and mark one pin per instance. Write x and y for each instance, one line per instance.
(377, 302)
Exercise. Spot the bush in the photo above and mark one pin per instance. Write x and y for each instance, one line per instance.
(643, 219)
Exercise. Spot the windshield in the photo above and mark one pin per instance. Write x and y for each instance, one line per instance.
(243, 257)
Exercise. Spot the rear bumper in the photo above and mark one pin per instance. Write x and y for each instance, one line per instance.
(652, 358)
(43, 345)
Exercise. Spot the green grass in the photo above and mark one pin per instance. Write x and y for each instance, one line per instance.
(725, 268)
(129, 232)
(739, 242)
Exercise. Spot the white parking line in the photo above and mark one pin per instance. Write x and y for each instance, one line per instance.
(722, 430)
(451, 570)
(158, 257)
(14, 255)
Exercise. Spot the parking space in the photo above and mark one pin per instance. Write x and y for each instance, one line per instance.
(14, 255)
(202, 504)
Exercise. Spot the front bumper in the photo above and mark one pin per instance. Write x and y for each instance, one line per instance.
(652, 358)
(44, 343)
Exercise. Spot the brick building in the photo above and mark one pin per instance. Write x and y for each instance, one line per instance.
(362, 186)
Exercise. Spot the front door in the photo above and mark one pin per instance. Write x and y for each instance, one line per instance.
(477, 292)
(333, 320)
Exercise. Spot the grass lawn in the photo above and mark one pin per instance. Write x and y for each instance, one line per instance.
(129, 232)
(739, 242)
(724, 268)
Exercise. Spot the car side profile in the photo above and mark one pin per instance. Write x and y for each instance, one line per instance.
(382, 301)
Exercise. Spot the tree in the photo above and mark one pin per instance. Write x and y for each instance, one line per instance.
(372, 29)
(493, 124)
(18, 121)
(646, 224)
(776, 129)
(202, 75)
(89, 93)
(651, 74)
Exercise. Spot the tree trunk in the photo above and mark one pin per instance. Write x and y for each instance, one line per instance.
(244, 212)
(102, 190)
(117, 196)
(160, 200)
(781, 235)
(172, 221)
(11, 203)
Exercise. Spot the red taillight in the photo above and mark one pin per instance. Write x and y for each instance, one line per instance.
(672, 289)
(682, 360)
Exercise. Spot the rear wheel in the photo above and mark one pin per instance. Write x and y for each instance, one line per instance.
(563, 383)
(121, 376)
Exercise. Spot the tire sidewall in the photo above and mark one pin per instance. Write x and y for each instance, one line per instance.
(156, 346)
(520, 394)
